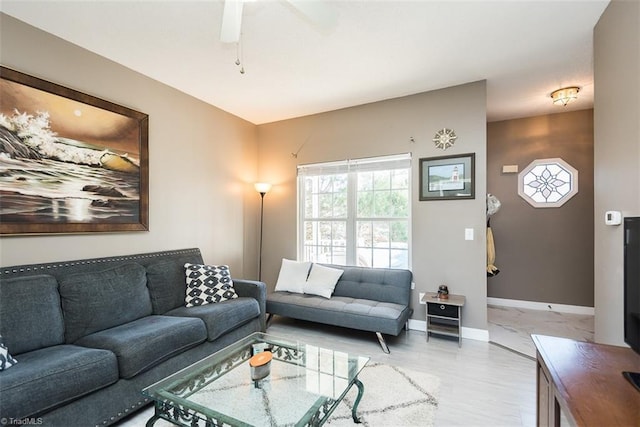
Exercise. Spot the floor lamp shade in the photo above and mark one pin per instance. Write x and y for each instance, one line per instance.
(262, 187)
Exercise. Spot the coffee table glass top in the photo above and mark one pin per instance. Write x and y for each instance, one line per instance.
(304, 386)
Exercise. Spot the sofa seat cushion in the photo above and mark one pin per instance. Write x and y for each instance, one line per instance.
(222, 317)
(142, 344)
(356, 313)
(53, 376)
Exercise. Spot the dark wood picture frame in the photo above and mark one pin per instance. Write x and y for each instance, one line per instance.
(448, 177)
(69, 162)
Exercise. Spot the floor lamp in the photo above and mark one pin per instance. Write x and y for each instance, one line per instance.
(262, 188)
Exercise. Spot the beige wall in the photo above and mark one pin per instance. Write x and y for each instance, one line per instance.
(617, 154)
(440, 253)
(544, 255)
(202, 161)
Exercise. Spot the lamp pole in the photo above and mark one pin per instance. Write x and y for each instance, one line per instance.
(262, 188)
(261, 222)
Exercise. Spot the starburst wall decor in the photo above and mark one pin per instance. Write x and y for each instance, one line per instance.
(445, 138)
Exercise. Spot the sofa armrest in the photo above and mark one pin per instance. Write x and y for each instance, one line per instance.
(257, 290)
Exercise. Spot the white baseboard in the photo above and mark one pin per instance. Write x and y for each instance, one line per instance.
(545, 306)
(475, 334)
(417, 325)
(470, 333)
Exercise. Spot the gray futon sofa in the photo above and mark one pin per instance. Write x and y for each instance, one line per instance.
(369, 299)
(89, 335)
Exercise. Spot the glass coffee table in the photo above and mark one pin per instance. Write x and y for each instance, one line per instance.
(304, 386)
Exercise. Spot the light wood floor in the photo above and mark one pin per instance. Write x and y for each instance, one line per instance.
(482, 384)
(512, 327)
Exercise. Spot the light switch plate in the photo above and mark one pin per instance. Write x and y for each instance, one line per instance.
(468, 234)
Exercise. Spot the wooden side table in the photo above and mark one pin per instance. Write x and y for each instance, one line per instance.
(444, 316)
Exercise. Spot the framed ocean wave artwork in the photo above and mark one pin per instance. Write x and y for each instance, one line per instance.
(69, 162)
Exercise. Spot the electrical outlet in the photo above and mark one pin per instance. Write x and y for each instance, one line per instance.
(413, 285)
(421, 295)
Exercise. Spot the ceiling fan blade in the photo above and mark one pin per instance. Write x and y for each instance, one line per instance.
(318, 12)
(231, 21)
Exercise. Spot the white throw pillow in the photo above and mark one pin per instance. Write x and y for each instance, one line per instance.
(322, 280)
(293, 275)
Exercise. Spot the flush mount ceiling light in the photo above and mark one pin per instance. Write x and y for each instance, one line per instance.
(565, 95)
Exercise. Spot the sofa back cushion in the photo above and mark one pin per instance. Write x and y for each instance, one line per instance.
(167, 284)
(30, 313)
(94, 301)
(378, 284)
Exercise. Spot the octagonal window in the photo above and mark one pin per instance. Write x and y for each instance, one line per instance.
(548, 183)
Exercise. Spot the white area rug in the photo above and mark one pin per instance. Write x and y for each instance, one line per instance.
(392, 396)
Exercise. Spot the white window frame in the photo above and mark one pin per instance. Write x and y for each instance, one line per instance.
(351, 167)
(563, 190)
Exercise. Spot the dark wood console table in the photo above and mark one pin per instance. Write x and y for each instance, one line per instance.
(585, 382)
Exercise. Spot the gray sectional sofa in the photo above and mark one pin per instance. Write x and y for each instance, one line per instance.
(369, 299)
(89, 335)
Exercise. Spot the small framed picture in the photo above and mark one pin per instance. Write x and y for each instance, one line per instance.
(448, 177)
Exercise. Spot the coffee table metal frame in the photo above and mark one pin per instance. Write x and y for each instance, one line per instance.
(170, 395)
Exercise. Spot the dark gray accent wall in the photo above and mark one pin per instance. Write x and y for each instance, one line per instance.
(544, 254)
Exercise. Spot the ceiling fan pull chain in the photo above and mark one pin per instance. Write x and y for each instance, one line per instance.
(239, 55)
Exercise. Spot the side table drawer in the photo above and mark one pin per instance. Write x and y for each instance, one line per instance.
(445, 310)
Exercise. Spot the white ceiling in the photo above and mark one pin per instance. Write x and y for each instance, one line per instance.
(376, 50)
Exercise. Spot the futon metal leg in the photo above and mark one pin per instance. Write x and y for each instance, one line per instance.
(269, 317)
(383, 343)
